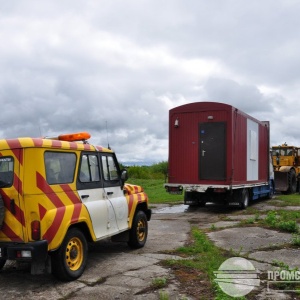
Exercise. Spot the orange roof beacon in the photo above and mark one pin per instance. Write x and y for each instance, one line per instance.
(56, 195)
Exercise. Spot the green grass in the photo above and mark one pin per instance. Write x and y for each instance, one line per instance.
(205, 257)
(155, 190)
(287, 200)
(283, 220)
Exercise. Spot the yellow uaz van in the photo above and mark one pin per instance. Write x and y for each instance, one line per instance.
(58, 194)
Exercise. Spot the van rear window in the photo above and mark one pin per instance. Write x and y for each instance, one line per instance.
(60, 167)
(6, 171)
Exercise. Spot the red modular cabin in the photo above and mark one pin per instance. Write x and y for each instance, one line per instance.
(216, 147)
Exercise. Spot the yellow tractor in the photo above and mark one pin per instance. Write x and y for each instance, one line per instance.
(286, 163)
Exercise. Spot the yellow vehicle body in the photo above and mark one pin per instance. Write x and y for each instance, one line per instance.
(286, 163)
(37, 211)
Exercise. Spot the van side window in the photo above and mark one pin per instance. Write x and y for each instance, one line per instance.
(89, 168)
(110, 171)
(60, 167)
(6, 171)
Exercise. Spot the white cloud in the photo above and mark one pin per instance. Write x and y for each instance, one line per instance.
(87, 65)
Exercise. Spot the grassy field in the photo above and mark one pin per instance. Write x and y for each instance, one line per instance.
(156, 191)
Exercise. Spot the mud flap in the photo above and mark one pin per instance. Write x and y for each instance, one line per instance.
(41, 267)
(281, 181)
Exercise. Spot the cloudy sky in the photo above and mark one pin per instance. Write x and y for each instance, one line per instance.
(114, 68)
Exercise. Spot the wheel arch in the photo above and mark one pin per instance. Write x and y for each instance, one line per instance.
(84, 228)
(144, 207)
(81, 226)
(141, 207)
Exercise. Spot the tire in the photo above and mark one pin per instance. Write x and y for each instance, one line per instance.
(69, 261)
(292, 182)
(202, 203)
(2, 211)
(244, 199)
(139, 231)
(2, 263)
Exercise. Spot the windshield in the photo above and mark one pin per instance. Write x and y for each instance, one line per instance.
(283, 151)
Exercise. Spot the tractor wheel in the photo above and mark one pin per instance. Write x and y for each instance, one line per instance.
(69, 261)
(292, 182)
(139, 231)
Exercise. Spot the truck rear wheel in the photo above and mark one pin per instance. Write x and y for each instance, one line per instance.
(139, 231)
(244, 202)
(69, 261)
(2, 263)
(2, 211)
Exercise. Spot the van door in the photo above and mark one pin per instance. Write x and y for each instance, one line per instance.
(212, 150)
(113, 191)
(91, 192)
(13, 225)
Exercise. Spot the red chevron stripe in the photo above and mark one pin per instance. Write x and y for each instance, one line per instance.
(54, 227)
(19, 215)
(10, 233)
(56, 144)
(73, 146)
(139, 197)
(130, 203)
(18, 184)
(15, 146)
(75, 200)
(37, 142)
(60, 212)
(87, 147)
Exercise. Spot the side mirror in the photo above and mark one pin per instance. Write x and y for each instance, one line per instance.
(124, 175)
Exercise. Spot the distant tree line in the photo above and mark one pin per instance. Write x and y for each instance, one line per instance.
(155, 171)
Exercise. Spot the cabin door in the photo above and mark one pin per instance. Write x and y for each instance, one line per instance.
(212, 151)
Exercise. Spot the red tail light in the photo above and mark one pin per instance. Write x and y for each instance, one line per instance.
(36, 230)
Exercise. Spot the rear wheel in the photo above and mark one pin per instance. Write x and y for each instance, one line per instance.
(2, 263)
(202, 203)
(139, 230)
(244, 199)
(69, 261)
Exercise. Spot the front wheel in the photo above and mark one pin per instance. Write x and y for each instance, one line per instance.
(69, 261)
(139, 231)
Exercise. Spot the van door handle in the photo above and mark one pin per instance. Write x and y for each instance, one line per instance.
(84, 196)
(109, 193)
